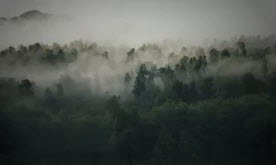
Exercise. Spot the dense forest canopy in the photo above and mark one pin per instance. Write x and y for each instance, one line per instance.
(84, 103)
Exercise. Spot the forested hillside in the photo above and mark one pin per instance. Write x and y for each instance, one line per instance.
(160, 103)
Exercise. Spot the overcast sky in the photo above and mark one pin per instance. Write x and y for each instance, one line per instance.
(157, 19)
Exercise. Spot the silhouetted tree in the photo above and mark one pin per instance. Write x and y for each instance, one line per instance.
(130, 55)
(105, 55)
(26, 86)
(214, 55)
(140, 81)
(242, 49)
(224, 53)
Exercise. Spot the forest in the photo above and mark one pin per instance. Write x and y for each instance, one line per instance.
(156, 104)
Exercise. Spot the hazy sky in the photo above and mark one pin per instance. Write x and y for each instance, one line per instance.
(130, 20)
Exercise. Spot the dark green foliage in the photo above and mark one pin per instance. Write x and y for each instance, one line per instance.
(251, 85)
(215, 132)
(140, 81)
(180, 90)
(207, 88)
(53, 58)
(201, 63)
(192, 64)
(272, 84)
(228, 87)
(193, 92)
(41, 53)
(113, 106)
(167, 76)
(196, 113)
(183, 64)
(224, 53)
(26, 87)
(7, 139)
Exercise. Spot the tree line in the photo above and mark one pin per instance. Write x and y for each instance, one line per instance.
(195, 109)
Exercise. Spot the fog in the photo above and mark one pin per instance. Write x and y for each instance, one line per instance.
(144, 82)
(132, 23)
(99, 74)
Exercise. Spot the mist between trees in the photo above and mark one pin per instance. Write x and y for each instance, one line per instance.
(159, 103)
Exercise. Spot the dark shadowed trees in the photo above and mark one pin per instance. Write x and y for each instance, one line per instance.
(213, 55)
(224, 54)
